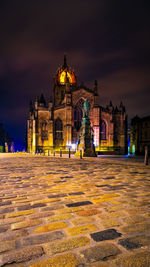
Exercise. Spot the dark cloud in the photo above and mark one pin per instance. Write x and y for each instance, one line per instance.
(106, 40)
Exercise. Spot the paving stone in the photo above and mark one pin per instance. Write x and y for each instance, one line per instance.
(57, 196)
(69, 210)
(50, 227)
(65, 245)
(109, 178)
(135, 242)
(140, 259)
(20, 213)
(24, 207)
(5, 203)
(88, 212)
(82, 229)
(105, 235)
(108, 196)
(134, 219)
(65, 260)
(56, 218)
(139, 227)
(83, 220)
(21, 255)
(38, 205)
(103, 185)
(101, 252)
(111, 215)
(48, 200)
(42, 238)
(100, 200)
(41, 214)
(76, 194)
(12, 220)
(13, 235)
(7, 245)
(25, 224)
(6, 210)
(114, 208)
(3, 228)
(77, 204)
(110, 223)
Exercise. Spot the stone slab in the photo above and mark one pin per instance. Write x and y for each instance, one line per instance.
(101, 252)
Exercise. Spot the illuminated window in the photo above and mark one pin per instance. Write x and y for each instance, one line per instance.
(58, 129)
(133, 149)
(78, 114)
(103, 130)
(96, 136)
(63, 77)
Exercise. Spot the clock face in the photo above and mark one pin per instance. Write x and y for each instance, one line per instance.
(70, 76)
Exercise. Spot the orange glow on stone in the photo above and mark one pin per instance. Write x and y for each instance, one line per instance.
(70, 76)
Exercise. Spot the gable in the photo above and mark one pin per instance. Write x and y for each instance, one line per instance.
(82, 94)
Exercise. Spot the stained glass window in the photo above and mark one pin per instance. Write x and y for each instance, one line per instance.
(78, 114)
(58, 129)
(103, 130)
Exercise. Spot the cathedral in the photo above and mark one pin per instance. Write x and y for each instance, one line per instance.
(57, 125)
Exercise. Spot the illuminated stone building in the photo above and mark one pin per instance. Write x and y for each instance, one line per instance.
(58, 125)
(140, 135)
(6, 142)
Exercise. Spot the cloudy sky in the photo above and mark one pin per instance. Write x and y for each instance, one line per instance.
(107, 40)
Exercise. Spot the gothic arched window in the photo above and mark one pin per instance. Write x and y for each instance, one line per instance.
(78, 114)
(103, 130)
(58, 129)
(44, 133)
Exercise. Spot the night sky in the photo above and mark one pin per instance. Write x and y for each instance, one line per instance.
(106, 40)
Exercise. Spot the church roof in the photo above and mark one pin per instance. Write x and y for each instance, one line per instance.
(65, 74)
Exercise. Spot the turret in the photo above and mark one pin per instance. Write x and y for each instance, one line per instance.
(42, 101)
(36, 103)
(110, 107)
(122, 107)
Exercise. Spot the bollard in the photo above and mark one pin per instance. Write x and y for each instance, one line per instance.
(48, 152)
(60, 153)
(69, 153)
(80, 154)
(54, 153)
(146, 155)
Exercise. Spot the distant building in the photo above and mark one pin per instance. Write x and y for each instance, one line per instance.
(58, 125)
(140, 135)
(6, 143)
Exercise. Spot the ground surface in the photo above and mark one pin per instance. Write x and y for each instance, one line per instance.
(72, 212)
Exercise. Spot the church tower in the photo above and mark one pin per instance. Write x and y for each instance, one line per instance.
(63, 76)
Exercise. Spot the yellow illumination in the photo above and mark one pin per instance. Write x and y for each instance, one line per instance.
(63, 77)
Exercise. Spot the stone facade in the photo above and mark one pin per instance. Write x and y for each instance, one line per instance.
(6, 142)
(140, 135)
(58, 125)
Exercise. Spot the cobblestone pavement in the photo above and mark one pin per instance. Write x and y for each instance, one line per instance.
(72, 212)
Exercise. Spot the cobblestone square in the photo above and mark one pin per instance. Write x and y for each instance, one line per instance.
(74, 212)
